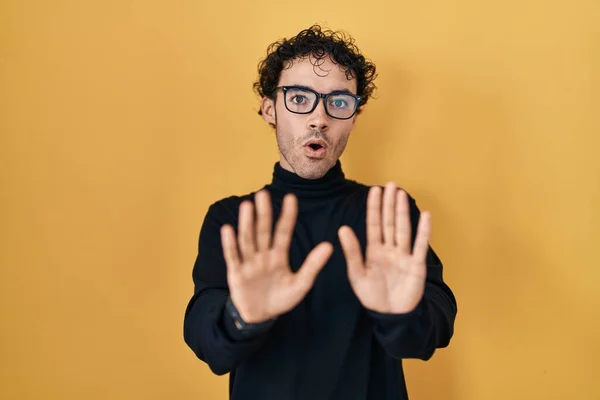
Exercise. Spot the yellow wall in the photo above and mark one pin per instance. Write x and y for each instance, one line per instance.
(121, 121)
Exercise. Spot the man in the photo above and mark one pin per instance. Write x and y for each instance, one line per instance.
(316, 287)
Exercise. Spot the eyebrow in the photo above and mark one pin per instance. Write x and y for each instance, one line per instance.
(343, 90)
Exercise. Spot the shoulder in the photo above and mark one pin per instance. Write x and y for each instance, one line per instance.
(226, 209)
(364, 188)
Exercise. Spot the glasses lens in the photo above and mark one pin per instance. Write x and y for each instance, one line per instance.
(341, 105)
(299, 100)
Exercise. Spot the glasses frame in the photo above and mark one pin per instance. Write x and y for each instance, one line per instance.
(323, 96)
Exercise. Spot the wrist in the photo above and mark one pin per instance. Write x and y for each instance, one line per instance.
(244, 323)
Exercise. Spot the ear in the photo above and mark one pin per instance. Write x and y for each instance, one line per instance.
(267, 107)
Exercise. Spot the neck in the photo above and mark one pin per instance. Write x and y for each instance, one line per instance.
(287, 181)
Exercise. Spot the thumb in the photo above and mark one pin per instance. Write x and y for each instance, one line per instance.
(352, 252)
(314, 263)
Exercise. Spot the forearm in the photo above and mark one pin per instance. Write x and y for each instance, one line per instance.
(419, 333)
(210, 331)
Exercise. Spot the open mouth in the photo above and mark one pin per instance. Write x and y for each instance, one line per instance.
(315, 150)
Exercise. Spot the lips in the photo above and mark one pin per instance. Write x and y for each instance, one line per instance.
(315, 148)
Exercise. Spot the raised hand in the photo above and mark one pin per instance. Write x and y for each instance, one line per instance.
(261, 282)
(391, 277)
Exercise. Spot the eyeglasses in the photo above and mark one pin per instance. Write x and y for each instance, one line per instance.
(302, 100)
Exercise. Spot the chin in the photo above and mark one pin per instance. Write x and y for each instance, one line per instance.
(313, 169)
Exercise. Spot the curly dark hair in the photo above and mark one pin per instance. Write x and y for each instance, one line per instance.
(318, 44)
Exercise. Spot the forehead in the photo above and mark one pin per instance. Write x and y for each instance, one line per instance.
(322, 75)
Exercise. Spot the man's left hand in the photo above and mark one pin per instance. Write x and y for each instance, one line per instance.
(391, 277)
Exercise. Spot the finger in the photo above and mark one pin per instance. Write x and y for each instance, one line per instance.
(246, 230)
(314, 263)
(264, 220)
(374, 216)
(421, 246)
(352, 252)
(229, 245)
(403, 226)
(285, 224)
(389, 200)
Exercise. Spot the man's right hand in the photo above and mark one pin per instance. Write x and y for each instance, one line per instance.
(261, 282)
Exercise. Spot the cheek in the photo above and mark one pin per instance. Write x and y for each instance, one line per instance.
(344, 130)
(291, 124)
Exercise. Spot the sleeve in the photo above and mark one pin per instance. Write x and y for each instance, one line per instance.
(431, 324)
(208, 328)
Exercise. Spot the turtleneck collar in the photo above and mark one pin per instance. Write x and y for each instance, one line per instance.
(330, 184)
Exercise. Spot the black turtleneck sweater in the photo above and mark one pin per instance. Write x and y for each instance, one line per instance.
(329, 347)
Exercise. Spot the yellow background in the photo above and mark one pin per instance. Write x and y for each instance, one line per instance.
(121, 121)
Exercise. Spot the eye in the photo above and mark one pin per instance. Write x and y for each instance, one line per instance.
(298, 99)
(338, 102)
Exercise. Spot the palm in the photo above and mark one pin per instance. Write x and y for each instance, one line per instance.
(389, 281)
(267, 288)
(391, 277)
(260, 279)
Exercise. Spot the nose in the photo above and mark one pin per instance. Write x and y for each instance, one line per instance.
(318, 119)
